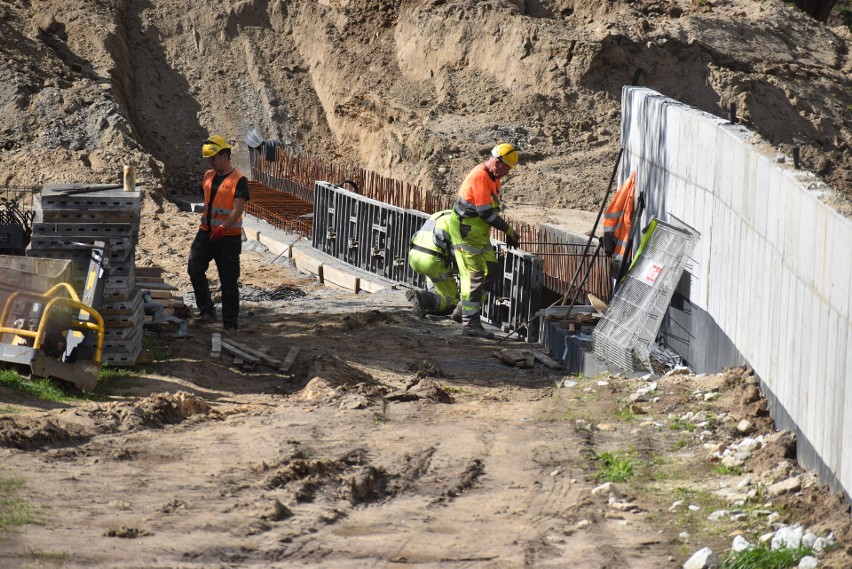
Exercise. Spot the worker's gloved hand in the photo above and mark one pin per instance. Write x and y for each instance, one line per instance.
(512, 240)
(217, 233)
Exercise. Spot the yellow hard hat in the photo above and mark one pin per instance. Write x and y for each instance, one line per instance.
(214, 145)
(506, 153)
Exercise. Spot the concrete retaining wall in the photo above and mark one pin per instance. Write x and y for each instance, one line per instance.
(770, 280)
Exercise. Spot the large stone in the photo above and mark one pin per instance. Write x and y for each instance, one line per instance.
(785, 486)
(703, 559)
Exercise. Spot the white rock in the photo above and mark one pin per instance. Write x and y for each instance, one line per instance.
(603, 383)
(740, 544)
(717, 515)
(822, 542)
(744, 482)
(569, 383)
(808, 562)
(749, 444)
(703, 559)
(809, 540)
(607, 489)
(675, 505)
(683, 536)
(788, 536)
(745, 427)
(693, 508)
(733, 460)
(711, 396)
(785, 486)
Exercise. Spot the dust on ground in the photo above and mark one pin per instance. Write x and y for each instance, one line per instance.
(391, 440)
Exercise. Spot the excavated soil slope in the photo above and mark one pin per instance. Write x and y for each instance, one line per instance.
(413, 90)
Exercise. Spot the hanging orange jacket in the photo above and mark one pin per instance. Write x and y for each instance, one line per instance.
(618, 218)
(223, 202)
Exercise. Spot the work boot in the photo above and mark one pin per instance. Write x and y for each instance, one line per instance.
(477, 332)
(415, 299)
(205, 317)
(456, 315)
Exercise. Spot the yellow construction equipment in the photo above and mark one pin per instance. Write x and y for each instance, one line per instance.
(54, 334)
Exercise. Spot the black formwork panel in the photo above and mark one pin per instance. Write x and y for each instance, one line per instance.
(374, 236)
(365, 233)
(517, 294)
(412, 222)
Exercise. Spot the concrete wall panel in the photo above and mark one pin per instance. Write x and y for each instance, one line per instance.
(840, 267)
(771, 278)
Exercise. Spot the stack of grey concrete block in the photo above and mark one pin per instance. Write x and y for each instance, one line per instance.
(67, 225)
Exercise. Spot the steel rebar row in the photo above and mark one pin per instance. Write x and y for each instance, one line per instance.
(295, 174)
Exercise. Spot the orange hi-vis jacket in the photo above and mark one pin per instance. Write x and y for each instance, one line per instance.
(223, 202)
(618, 219)
(478, 196)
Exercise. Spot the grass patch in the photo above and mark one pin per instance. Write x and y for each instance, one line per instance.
(6, 410)
(108, 373)
(723, 470)
(46, 389)
(681, 444)
(762, 557)
(13, 511)
(40, 388)
(681, 425)
(625, 414)
(614, 467)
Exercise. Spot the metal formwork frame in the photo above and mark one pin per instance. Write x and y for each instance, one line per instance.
(628, 330)
(374, 236)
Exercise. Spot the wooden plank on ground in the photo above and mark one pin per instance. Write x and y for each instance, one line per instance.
(289, 360)
(255, 353)
(161, 294)
(547, 360)
(216, 348)
(238, 354)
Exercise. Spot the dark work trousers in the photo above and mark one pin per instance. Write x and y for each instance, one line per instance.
(226, 253)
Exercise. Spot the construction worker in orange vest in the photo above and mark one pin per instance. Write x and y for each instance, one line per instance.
(618, 219)
(478, 210)
(219, 236)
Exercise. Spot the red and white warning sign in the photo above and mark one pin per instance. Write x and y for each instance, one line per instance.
(652, 272)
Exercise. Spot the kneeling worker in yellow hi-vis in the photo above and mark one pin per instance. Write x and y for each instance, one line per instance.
(430, 254)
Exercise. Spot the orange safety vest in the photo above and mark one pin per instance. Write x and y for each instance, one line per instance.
(223, 202)
(478, 195)
(618, 219)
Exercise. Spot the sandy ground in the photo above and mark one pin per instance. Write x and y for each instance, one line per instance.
(393, 440)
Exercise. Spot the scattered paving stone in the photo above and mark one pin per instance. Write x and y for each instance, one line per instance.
(790, 485)
(607, 489)
(788, 536)
(703, 559)
(740, 544)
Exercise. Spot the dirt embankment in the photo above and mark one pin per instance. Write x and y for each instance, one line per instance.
(412, 90)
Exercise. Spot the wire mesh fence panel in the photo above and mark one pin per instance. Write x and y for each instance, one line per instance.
(626, 334)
